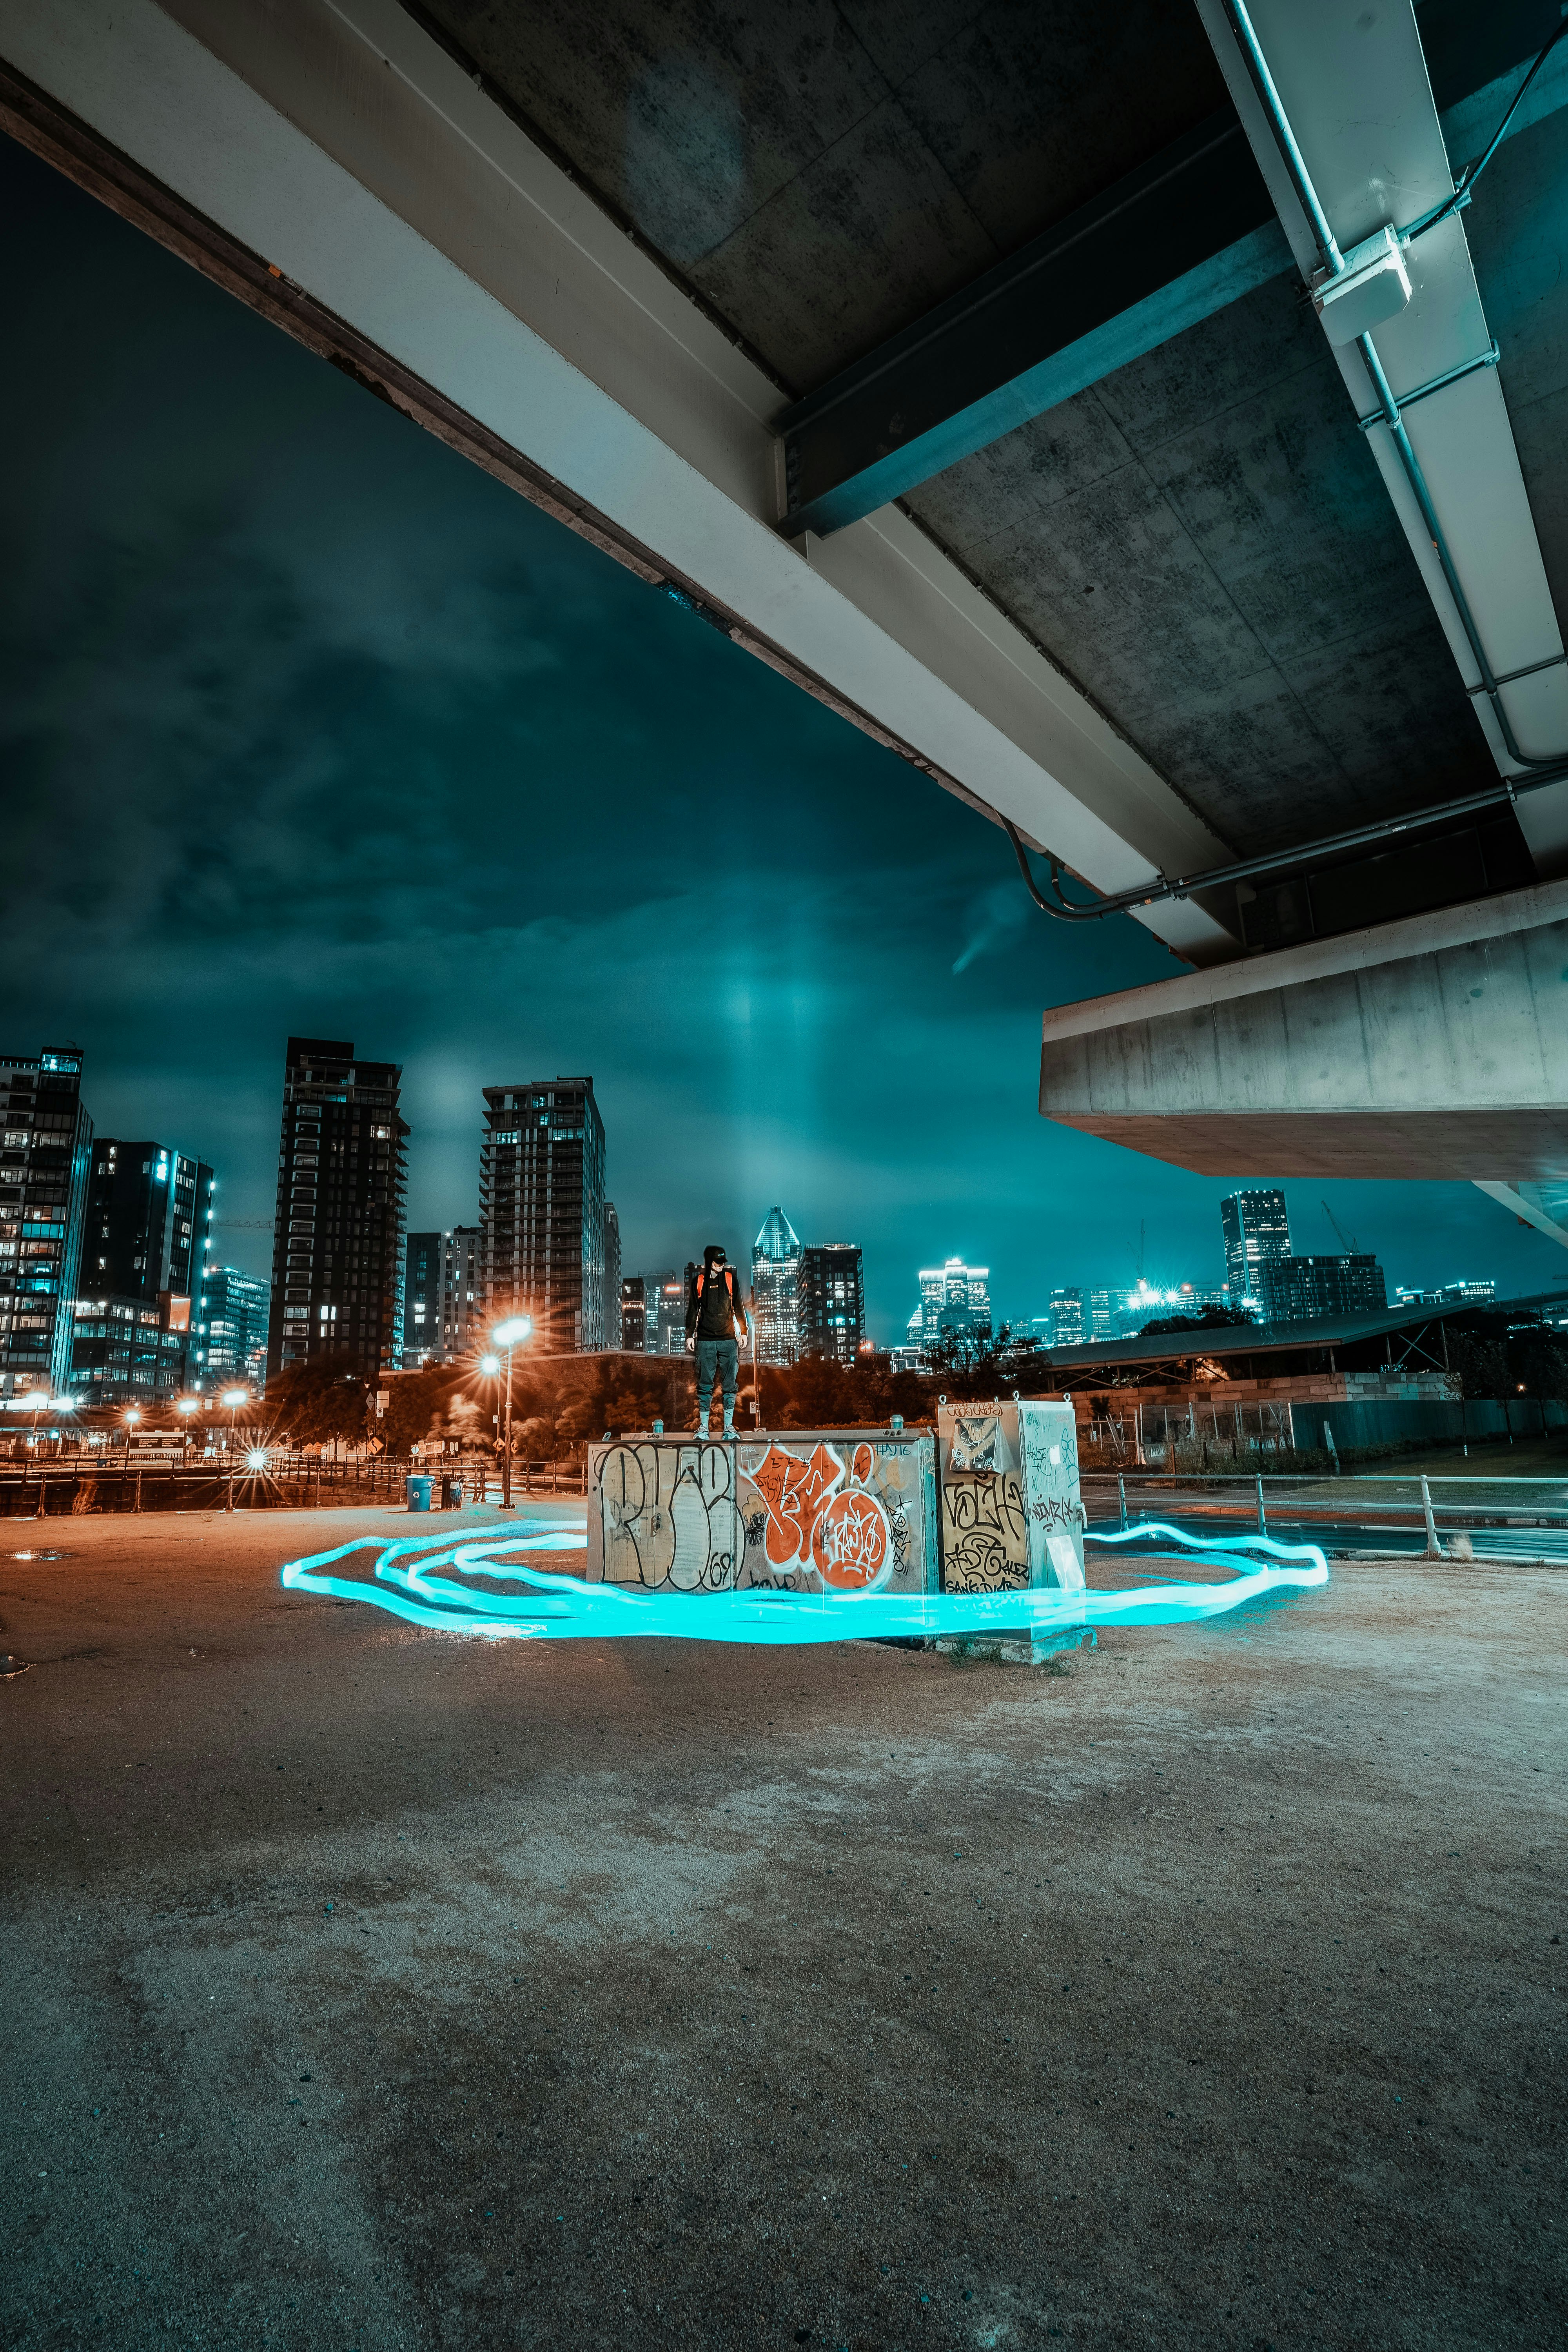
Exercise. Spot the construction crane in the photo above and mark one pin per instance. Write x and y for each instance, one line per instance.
(1350, 1247)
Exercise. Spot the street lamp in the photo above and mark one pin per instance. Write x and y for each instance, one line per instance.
(234, 1399)
(132, 1415)
(36, 1400)
(508, 1335)
(490, 1368)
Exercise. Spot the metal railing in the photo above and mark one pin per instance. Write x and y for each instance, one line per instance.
(68, 1483)
(1361, 1507)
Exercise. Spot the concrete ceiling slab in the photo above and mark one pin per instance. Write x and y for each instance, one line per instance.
(1518, 230)
(1202, 542)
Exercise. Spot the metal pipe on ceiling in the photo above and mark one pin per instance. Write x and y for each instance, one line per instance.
(1503, 793)
(1301, 180)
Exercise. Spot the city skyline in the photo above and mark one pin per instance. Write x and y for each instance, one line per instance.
(325, 775)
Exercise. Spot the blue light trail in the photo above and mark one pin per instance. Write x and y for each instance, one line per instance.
(417, 1578)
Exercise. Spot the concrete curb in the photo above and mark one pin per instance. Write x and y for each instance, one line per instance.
(1481, 1559)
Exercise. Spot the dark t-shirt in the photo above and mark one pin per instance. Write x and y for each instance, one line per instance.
(716, 1319)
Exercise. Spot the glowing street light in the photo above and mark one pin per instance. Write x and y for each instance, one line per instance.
(234, 1399)
(132, 1415)
(508, 1335)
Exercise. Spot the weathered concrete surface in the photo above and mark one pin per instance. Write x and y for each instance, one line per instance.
(1437, 1046)
(670, 1996)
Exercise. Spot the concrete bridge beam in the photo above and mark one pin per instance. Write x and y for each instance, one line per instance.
(1437, 1046)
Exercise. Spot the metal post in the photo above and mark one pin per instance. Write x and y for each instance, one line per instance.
(1122, 1497)
(756, 1376)
(505, 1443)
(1262, 1522)
(1434, 1548)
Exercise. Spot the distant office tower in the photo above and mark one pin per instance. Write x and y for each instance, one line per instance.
(611, 1318)
(149, 1223)
(634, 1313)
(441, 1296)
(775, 1288)
(832, 1301)
(954, 1297)
(421, 1299)
(666, 1314)
(542, 1210)
(231, 1338)
(45, 1166)
(1257, 1236)
(1101, 1314)
(337, 1250)
(462, 1292)
(1319, 1289)
(1448, 1294)
(1067, 1319)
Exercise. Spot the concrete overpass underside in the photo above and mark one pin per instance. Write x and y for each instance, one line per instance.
(1143, 423)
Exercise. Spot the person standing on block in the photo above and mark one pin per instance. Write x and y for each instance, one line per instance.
(715, 1328)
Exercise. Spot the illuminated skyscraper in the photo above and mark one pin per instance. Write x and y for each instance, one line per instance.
(1257, 1236)
(1067, 1319)
(231, 1343)
(775, 1288)
(337, 1250)
(45, 1170)
(954, 1297)
(542, 1212)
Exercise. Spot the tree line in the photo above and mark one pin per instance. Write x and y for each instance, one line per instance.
(559, 1406)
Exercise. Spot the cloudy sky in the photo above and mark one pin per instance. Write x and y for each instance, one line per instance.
(309, 726)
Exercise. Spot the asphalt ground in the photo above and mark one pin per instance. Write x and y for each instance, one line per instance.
(373, 1987)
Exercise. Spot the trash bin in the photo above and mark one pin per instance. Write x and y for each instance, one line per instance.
(451, 1493)
(419, 1494)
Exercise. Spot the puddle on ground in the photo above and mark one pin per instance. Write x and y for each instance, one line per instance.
(41, 1555)
(11, 1667)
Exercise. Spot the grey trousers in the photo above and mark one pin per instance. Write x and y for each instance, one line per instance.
(717, 1359)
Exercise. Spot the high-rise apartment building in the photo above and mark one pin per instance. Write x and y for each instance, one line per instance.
(149, 1223)
(542, 1210)
(954, 1297)
(1257, 1236)
(231, 1337)
(775, 1290)
(611, 1317)
(46, 1164)
(832, 1301)
(337, 1251)
(1320, 1289)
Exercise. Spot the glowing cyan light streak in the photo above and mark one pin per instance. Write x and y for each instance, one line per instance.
(416, 1578)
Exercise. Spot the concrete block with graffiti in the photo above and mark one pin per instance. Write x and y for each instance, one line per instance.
(1011, 1511)
(800, 1510)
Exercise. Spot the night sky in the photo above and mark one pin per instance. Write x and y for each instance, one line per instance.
(311, 727)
